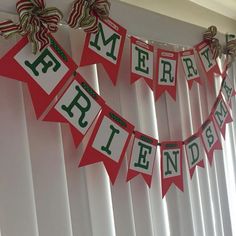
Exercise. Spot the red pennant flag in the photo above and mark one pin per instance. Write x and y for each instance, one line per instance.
(167, 64)
(106, 47)
(79, 106)
(142, 157)
(142, 59)
(221, 114)
(227, 90)
(209, 65)
(171, 165)
(210, 138)
(190, 67)
(45, 73)
(108, 142)
(194, 153)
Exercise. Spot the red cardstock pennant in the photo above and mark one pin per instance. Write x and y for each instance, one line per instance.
(210, 138)
(105, 47)
(167, 64)
(108, 142)
(142, 157)
(79, 106)
(221, 114)
(227, 90)
(45, 73)
(194, 153)
(209, 65)
(142, 60)
(171, 165)
(190, 67)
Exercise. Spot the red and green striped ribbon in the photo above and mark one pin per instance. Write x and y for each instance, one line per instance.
(35, 20)
(230, 51)
(209, 35)
(85, 13)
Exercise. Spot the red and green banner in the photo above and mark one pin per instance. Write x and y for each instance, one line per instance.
(190, 67)
(167, 64)
(108, 142)
(142, 157)
(171, 165)
(106, 47)
(45, 72)
(142, 61)
(60, 94)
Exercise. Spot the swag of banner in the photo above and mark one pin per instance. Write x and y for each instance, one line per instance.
(60, 94)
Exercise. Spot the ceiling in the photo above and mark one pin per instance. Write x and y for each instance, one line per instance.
(221, 13)
(225, 7)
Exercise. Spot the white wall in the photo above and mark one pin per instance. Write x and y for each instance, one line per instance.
(189, 12)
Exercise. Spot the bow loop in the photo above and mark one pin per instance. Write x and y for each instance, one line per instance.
(101, 8)
(210, 33)
(85, 13)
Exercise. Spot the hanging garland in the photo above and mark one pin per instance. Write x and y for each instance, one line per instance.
(36, 24)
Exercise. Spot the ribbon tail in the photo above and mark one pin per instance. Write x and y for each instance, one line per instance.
(43, 38)
(39, 39)
(8, 28)
(32, 39)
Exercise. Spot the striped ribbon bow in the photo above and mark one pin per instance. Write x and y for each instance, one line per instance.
(85, 13)
(230, 51)
(209, 35)
(35, 20)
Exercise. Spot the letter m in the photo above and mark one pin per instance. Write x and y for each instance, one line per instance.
(108, 46)
(220, 113)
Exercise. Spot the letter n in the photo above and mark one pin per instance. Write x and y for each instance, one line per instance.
(171, 163)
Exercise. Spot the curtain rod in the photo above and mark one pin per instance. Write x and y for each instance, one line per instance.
(5, 15)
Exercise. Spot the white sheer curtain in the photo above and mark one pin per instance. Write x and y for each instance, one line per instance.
(42, 192)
